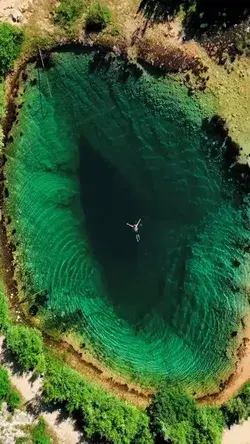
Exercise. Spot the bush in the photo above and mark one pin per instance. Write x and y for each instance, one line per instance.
(5, 387)
(11, 39)
(176, 418)
(68, 12)
(98, 17)
(39, 433)
(238, 408)
(7, 394)
(4, 315)
(104, 415)
(27, 346)
(14, 399)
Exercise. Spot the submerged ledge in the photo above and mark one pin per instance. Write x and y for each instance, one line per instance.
(233, 151)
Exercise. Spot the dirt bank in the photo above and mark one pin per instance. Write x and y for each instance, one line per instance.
(240, 375)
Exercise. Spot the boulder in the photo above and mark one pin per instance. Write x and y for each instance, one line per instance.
(16, 16)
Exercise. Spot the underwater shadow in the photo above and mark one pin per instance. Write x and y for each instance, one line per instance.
(133, 274)
(104, 60)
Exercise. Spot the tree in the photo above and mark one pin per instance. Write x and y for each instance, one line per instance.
(175, 417)
(170, 406)
(237, 408)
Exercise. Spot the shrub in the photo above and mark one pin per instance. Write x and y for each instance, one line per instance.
(68, 12)
(11, 39)
(14, 399)
(4, 315)
(39, 433)
(98, 17)
(176, 418)
(7, 394)
(238, 408)
(5, 387)
(27, 346)
(104, 415)
(115, 30)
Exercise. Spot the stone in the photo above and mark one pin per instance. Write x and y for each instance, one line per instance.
(16, 16)
(203, 25)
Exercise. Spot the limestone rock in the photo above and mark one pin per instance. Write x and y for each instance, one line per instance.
(16, 16)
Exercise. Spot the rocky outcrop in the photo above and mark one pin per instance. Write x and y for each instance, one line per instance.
(12, 425)
(15, 11)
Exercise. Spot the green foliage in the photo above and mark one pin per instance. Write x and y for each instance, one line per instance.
(104, 415)
(5, 387)
(7, 394)
(4, 315)
(27, 346)
(208, 426)
(98, 17)
(2, 91)
(11, 39)
(67, 12)
(238, 408)
(14, 399)
(115, 30)
(39, 433)
(175, 417)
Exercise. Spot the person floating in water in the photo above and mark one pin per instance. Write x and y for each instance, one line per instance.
(135, 228)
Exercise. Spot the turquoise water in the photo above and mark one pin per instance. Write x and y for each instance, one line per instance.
(110, 147)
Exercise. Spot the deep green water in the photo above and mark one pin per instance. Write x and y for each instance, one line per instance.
(107, 148)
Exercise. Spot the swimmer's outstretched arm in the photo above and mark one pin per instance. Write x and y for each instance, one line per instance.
(132, 226)
(138, 222)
